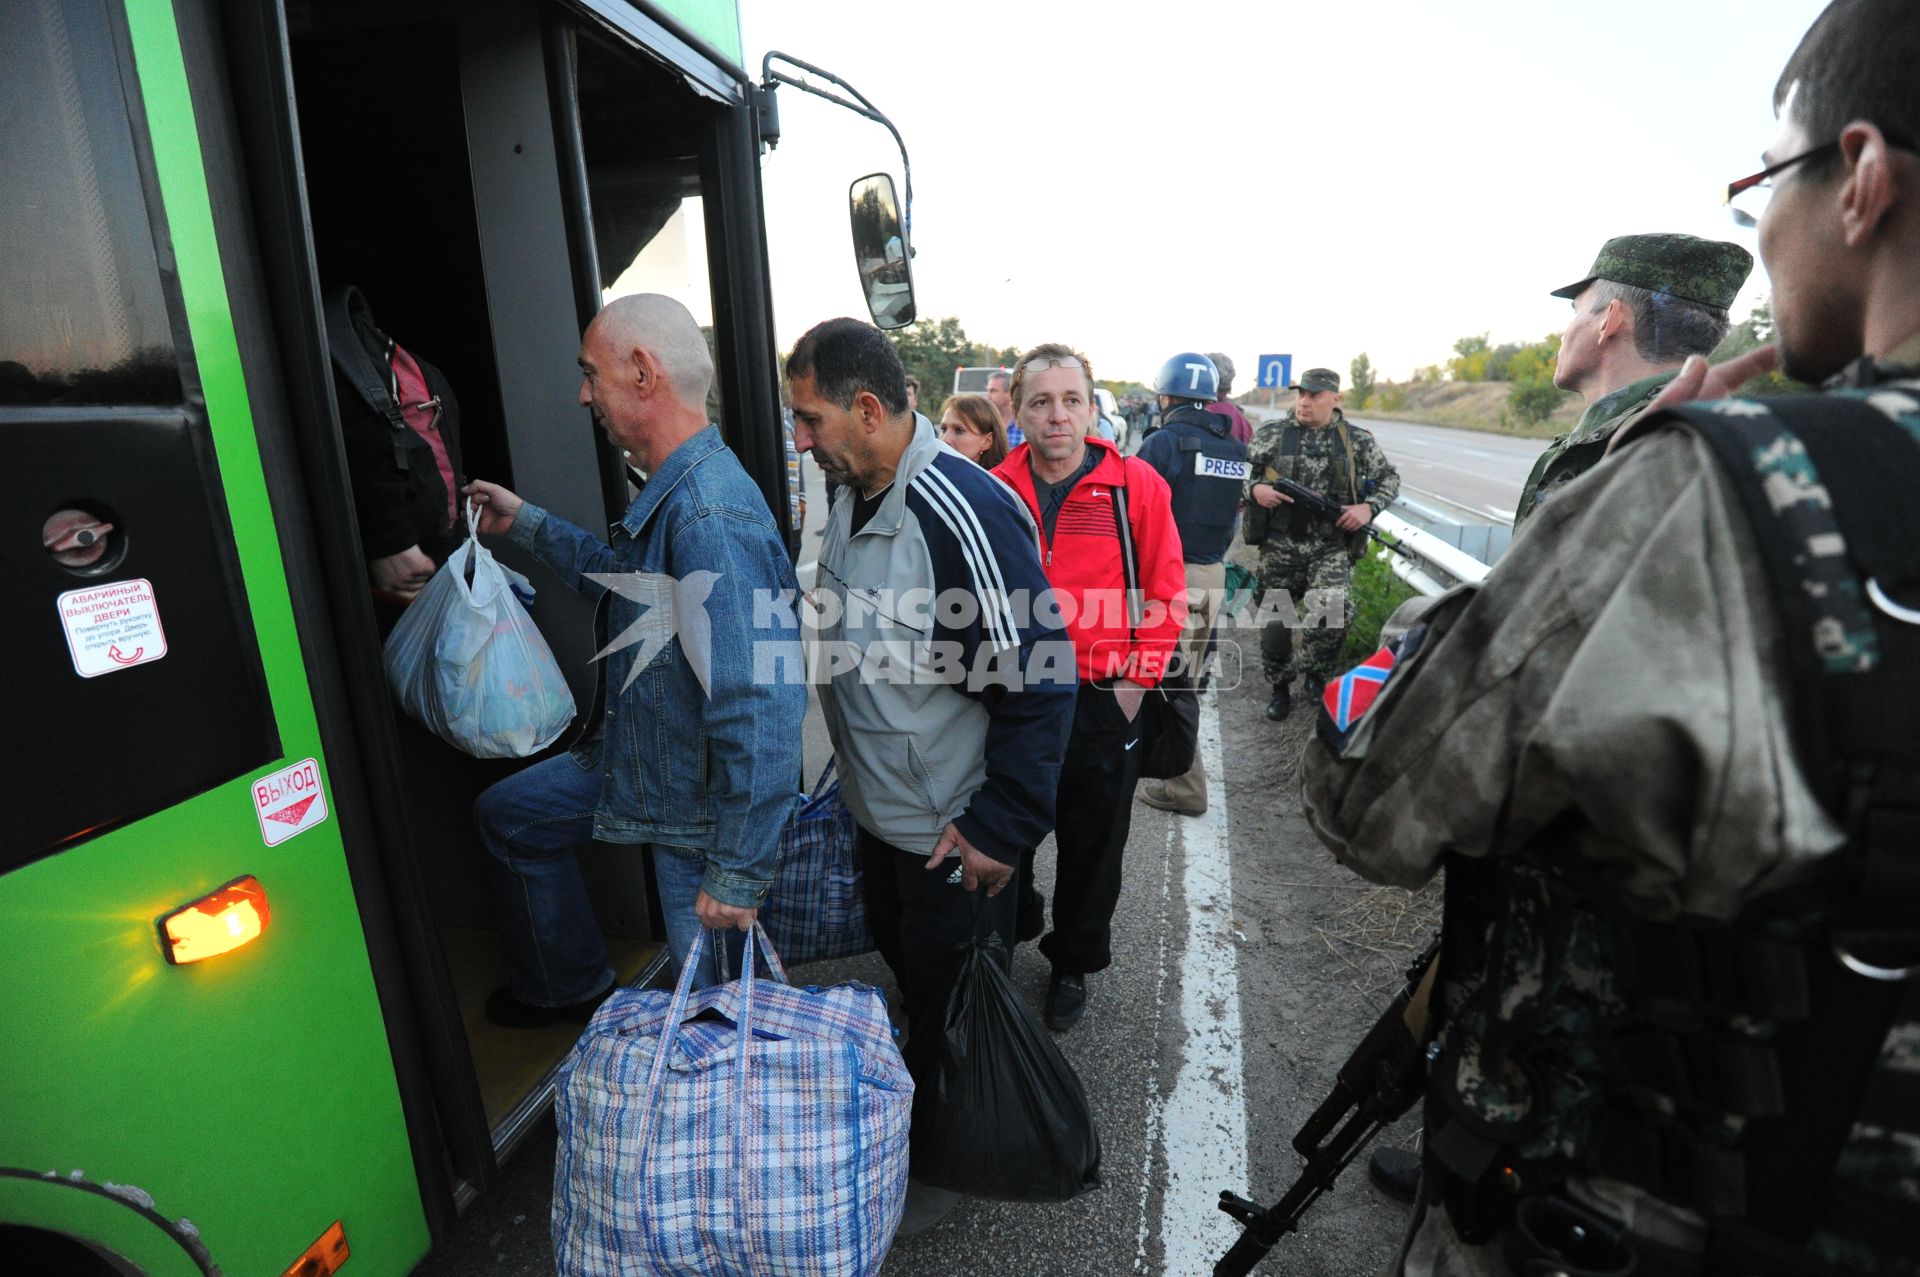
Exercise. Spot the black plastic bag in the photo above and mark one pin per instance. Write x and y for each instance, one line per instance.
(1169, 722)
(997, 1110)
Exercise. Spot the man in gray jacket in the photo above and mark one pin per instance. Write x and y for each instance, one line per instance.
(946, 691)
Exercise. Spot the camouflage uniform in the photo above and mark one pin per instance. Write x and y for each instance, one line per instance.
(1580, 449)
(1583, 706)
(1705, 272)
(1311, 554)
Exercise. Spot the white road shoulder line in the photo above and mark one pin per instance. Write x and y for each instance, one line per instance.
(1203, 1124)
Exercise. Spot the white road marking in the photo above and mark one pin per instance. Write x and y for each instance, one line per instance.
(1203, 1124)
(1155, 1104)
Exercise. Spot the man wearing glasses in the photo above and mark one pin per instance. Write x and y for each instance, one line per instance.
(1668, 755)
(1077, 487)
(1649, 302)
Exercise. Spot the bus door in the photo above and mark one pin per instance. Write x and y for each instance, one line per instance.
(487, 175)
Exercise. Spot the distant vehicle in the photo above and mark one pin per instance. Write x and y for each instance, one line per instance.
(973, 381)
(1110, 414)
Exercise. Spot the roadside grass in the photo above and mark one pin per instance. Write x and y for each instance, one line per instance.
(1466, 405)
(1375, 593)
(1462, 405)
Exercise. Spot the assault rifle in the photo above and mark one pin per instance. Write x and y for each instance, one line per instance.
(1322, 506)
(1380, 1081)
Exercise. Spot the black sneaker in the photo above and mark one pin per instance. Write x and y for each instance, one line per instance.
(510, 1012)
(1066, 1000)
(1281, 705)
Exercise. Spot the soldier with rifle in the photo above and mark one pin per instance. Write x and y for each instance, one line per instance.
(1669, 756)
(1303, 551)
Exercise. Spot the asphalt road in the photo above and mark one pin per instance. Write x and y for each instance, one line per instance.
(1465, 475)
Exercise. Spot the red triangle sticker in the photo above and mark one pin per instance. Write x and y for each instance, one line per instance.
(294, 814)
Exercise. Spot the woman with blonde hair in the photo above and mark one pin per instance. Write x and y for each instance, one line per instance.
(972, 428)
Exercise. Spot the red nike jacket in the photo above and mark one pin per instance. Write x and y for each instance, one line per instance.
(1082, 561)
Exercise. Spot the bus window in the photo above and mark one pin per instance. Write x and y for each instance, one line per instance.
(85, 322)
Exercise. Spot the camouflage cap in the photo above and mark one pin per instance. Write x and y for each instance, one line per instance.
(1316, 379)
(1706, 271)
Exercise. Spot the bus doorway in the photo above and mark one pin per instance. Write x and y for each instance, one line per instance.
(435, 143)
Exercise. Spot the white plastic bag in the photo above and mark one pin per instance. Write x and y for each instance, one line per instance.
(468, 663)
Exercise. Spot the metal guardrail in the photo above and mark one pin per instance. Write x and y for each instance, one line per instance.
(1440, 565)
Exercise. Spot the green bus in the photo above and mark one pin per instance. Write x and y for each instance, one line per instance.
(248, 932)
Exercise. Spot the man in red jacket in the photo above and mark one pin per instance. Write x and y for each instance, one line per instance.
(1074, 483)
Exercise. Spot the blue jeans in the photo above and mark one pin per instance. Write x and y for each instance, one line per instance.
(530, 824)
(678, 873)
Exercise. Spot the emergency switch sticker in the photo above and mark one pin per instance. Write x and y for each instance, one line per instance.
(289, 802)
(112, 627)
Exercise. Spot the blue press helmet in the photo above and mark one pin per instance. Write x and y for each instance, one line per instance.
(1188, 376)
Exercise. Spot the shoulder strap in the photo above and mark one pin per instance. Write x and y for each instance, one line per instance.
(1353, 473)
(350, 355)
(1825, 482)
(1129, 564)
(1290, 439)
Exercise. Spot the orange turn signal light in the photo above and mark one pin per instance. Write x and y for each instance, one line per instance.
(216, 923)
(324, 1257)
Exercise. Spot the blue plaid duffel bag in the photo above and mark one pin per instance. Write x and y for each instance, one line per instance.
(817, 906)
(751, 1129)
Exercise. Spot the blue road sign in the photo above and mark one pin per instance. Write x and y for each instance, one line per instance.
(1276, 370)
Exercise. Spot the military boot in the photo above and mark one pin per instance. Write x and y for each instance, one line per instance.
(1282, 703)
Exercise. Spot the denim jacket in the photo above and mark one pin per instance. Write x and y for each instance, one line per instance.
(716, 768)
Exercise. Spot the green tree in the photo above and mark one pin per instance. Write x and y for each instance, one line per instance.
(1470, 356)
(1534, 401)
(1529, 370)
(1360, 380)
(1533, 362)
(932, 348)
(1754, 331)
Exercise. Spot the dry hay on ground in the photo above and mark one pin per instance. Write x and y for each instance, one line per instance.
(1378, 932)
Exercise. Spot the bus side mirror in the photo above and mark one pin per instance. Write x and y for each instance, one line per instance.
(881, 253)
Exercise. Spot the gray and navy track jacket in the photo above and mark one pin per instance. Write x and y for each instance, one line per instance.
(947, 691)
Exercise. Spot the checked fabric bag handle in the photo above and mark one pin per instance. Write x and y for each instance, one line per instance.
(743, 1153)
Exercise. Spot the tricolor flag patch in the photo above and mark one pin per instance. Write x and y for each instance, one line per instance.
(1349, 697)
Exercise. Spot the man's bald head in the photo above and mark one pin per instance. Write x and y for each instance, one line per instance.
(666, 328)
(645, 376)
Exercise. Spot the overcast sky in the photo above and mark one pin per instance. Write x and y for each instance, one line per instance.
(1315, 179)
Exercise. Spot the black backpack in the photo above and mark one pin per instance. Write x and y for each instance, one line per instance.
(1832, 1182)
